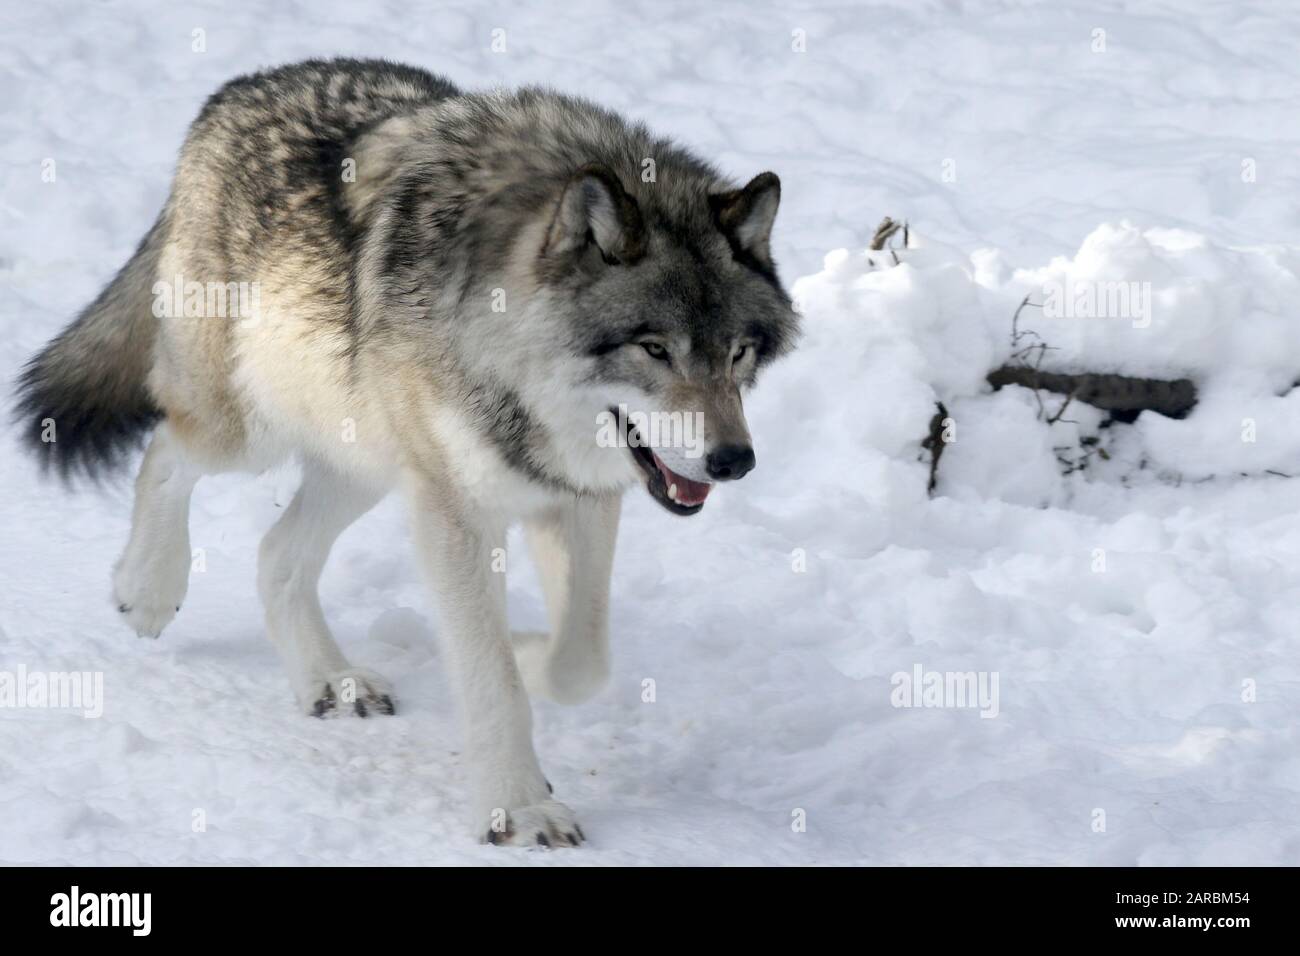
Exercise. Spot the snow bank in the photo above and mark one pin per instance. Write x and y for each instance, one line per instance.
(891, 334)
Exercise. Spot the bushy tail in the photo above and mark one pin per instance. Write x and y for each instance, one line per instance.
(82, 402)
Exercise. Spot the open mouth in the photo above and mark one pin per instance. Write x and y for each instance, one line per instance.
(677, 493)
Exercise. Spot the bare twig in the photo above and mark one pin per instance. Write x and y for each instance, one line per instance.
(884, 232)
(1061, 411)
(1016, 334)
(934, 443)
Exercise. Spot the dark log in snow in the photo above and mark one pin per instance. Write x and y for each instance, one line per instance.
(1125, 398)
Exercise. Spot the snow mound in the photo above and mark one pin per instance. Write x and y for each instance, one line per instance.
(890, 334)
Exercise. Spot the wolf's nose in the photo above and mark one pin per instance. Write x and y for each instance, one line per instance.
(729, 462)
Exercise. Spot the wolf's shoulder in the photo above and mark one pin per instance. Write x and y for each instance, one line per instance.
(548, 129)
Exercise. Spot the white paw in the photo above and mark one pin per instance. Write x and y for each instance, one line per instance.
(149, 594)
(355, 692)
(546, 824)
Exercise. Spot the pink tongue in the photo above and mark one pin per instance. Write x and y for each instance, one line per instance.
(688, 492)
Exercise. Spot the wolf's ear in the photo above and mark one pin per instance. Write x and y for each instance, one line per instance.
(595, 208)
(745, 216)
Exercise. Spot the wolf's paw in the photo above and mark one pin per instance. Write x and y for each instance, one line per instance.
(148, 601)
(357, 692)
(546, 824)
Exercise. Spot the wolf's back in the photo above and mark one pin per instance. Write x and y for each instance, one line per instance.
(82, 402)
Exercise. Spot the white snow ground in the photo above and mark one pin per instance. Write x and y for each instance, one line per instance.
(1140, 615)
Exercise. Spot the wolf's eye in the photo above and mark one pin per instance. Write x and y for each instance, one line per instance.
(655, 351)
(741, 352)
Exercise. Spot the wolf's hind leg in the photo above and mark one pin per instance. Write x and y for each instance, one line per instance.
(573, 547)
(151, 577)
(290, 561)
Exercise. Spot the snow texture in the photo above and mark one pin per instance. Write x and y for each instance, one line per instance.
(1137, 609)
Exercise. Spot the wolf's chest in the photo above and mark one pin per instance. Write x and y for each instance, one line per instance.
(481, 470)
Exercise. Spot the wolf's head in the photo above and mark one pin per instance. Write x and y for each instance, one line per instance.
(672, 303)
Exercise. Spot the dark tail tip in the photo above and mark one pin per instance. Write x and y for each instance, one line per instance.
(79, 425)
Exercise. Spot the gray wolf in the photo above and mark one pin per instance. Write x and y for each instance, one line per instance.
(406, 287)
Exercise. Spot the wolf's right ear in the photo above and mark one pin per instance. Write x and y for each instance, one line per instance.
(745, 216)
(595, 208)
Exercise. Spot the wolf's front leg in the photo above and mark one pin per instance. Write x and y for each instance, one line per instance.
(512, 803)
(573, 548)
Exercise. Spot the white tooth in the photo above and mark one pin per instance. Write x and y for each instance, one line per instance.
(672, 492)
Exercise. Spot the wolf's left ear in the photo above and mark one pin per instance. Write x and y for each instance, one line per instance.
(745, 216)
(596, 208)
